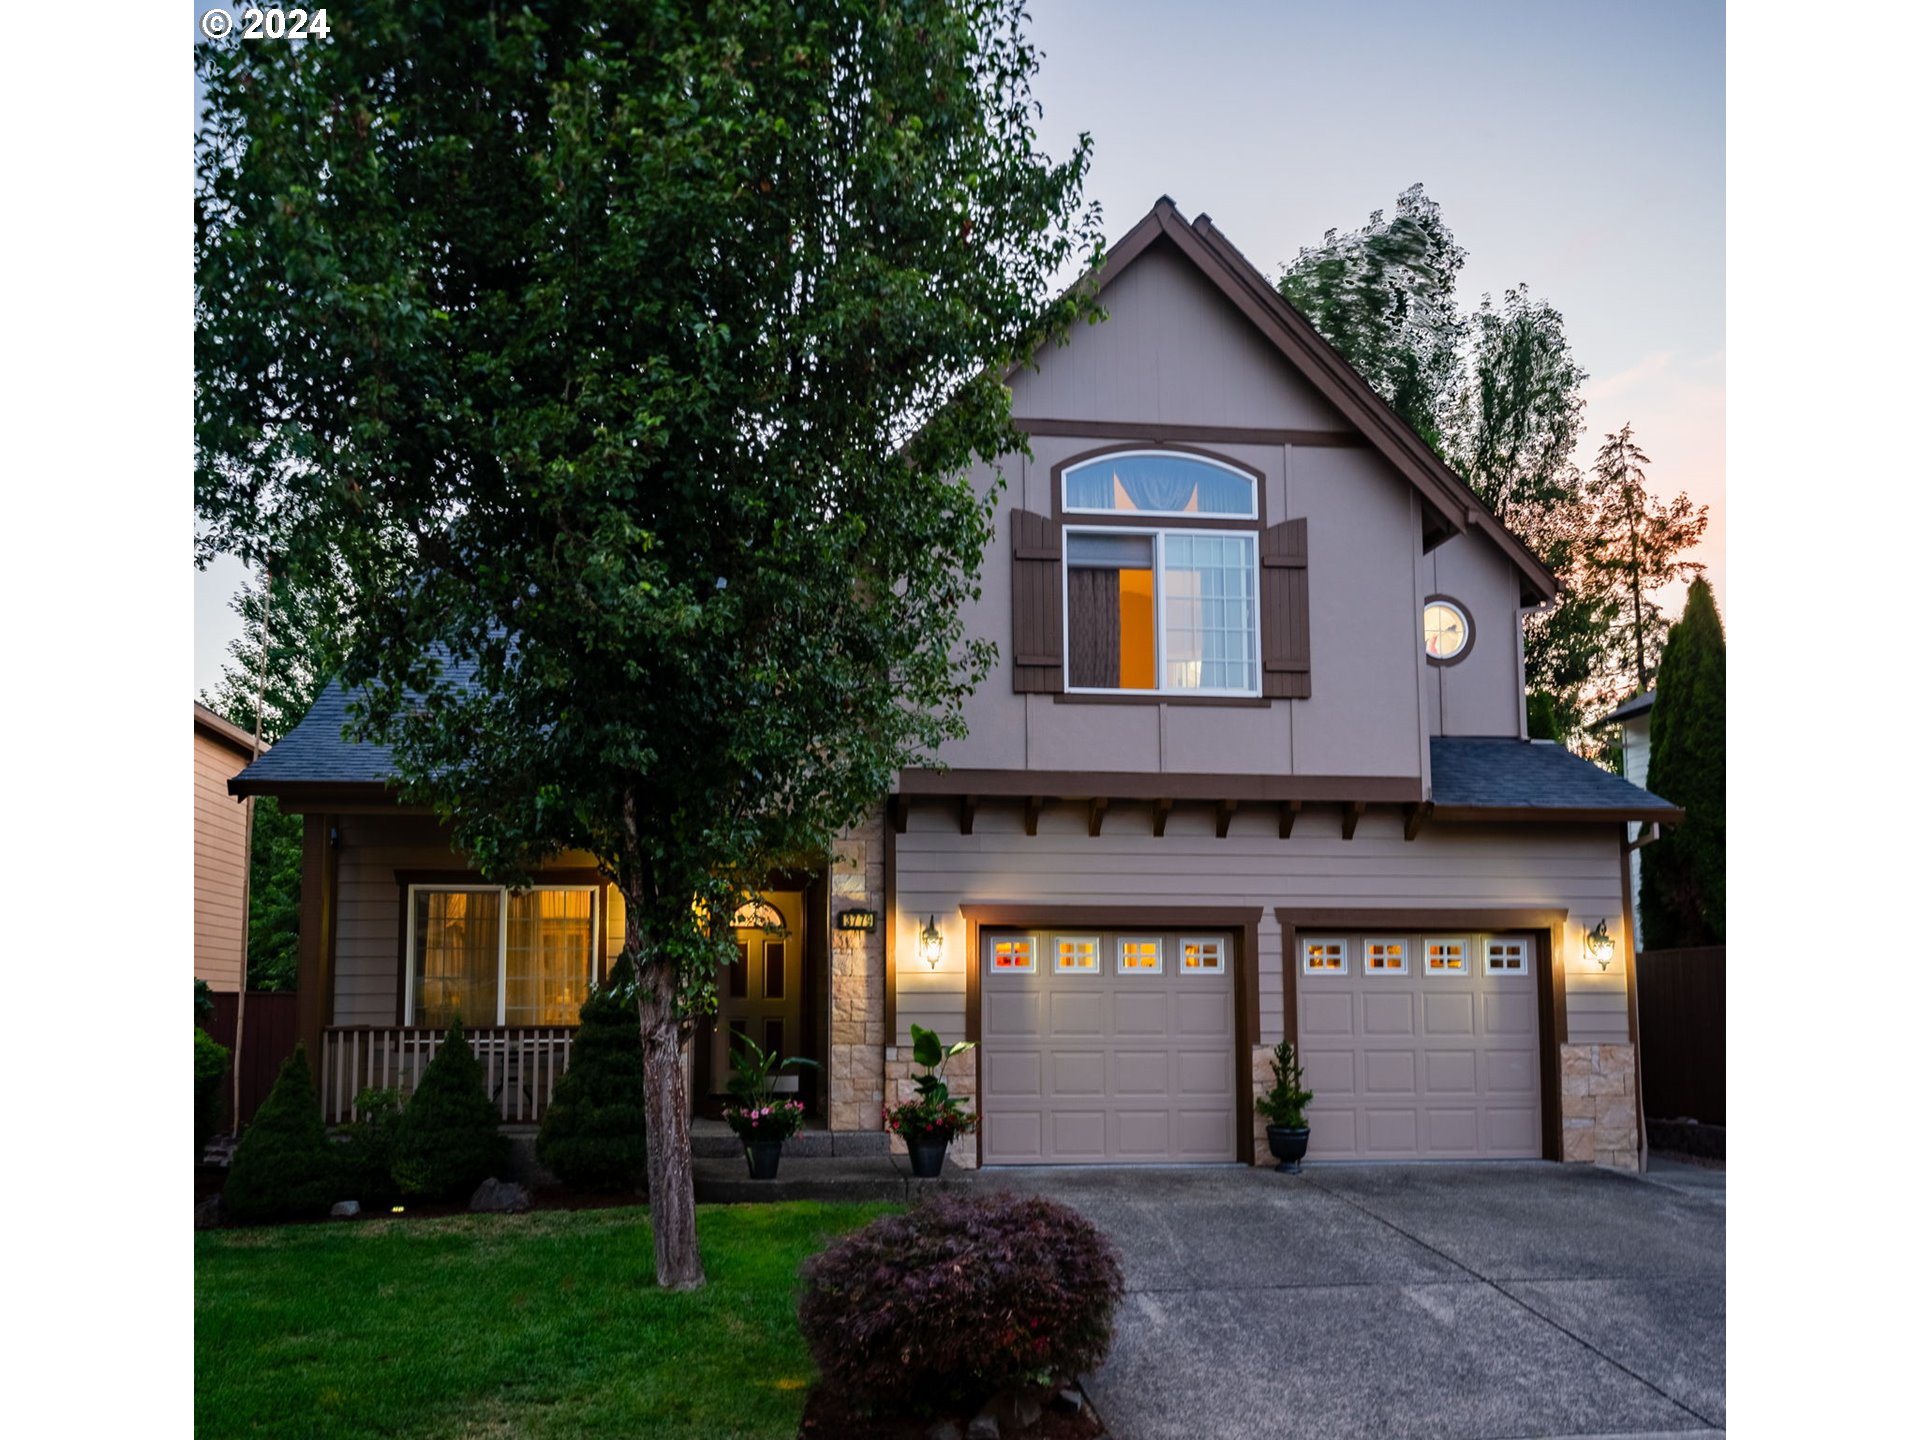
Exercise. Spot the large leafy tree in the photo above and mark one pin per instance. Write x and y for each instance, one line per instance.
(648, 343)
(1639, 546)
(1683, 884)
(291, 641)
(1383, 295)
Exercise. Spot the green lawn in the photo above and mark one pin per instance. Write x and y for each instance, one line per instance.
(547, 1324)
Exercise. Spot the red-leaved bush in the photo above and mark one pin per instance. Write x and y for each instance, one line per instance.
(958, 1299)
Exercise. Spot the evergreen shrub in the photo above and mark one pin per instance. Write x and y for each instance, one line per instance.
(448, 1139)
(284, 1168)
(594, 1133)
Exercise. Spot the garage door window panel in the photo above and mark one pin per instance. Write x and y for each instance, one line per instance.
(1508, 956)
(1323, 957)
(1203, 957)
(1447, 955)
(1138, 955)
(1386, 957)
(1013, 955)
(1076, 955)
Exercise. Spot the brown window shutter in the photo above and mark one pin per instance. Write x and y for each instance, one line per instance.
(1283, 611)
(1039, 649)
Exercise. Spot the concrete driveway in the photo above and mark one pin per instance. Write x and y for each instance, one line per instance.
(1431, 1301)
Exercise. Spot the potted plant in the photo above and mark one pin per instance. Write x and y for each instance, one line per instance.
(929, 1123)
(1285, 1106)
(763, 1120)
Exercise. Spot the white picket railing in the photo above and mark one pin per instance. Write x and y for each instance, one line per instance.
(520, 1065)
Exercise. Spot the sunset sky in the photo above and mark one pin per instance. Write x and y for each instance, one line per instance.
(1576, 147)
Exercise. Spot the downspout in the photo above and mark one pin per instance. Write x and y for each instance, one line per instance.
(1649, 832)
(246, 872)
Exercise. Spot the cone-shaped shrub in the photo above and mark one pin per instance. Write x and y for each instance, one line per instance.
(209, 1069)
(594, 1134)
(284, 1166)
(958, 1299)
(449, 1139)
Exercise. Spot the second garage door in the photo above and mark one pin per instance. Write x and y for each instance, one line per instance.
(1106, 1047)
(1420, 1046)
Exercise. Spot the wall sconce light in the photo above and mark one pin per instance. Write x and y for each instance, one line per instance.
(1600, 945)
(932, 944)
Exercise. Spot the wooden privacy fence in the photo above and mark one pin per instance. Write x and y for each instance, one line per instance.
(1683, 1033)
(519, 1064)
(272, 1029)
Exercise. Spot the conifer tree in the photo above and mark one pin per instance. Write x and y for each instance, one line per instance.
(1683, 884)
(284, 1166)
(448, 1139)
(594, 1133)
(1637, 547)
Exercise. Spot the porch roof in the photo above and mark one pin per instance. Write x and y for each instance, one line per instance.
(1495, 778)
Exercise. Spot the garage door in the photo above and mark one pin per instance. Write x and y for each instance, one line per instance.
(1421, 1046)
(1106, 1047)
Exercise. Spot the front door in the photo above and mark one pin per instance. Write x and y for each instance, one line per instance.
(760, 990)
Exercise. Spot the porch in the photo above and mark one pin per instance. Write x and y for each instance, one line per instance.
(520, 1065)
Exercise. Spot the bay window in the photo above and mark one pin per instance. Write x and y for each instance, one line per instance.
(490, 956)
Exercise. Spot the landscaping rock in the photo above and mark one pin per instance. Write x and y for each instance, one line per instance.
(1070, 1401)
(983, 1427)
(345, 1210)
(209, 1214)
(500, 1197)
(945, 1430)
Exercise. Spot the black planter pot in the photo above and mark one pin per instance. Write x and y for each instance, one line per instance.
(763, 1159)
(926, 1157)
(1288, 1146)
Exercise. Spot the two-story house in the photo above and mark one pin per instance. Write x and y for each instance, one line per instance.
(1253, 764)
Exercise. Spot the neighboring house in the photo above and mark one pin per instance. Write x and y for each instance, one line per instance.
(221, 750)
(1635, 719)
(1253, 764)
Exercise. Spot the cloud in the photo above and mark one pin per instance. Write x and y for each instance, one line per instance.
(1622, 381)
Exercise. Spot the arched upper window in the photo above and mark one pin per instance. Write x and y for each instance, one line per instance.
(1160, 482)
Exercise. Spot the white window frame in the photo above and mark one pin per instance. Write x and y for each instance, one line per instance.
(1032, 967)
(1253, 487)
(1159, 535)
(1366, 955)
(1120, 943)
(1059, 940)
(594, 922)
(1466, 954)
(1219, 947)
(1526, 955)
(1331, 943)
(1466, 631)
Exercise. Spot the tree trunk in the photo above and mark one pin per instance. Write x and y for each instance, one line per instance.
(676, 1245)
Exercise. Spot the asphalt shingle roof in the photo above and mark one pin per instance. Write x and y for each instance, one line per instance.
(1524, 774)
(314, 752)
(1468, 772)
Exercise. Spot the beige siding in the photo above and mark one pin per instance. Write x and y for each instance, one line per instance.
(219, 865)
(1575, 868)
(370, 936)
(1172, 349)
(1481, 694)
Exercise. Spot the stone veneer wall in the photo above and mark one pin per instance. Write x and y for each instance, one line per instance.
(1599, 1122)
(962, 1076)
(857, 982)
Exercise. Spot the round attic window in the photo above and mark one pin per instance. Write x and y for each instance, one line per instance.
(1449, 632)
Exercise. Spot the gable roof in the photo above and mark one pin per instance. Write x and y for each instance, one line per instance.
(1478, 778)
(1638, 705)
(222, 731)
(1448, 503)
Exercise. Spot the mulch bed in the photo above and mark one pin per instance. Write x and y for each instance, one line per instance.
(828, 1417)
(209, 1179)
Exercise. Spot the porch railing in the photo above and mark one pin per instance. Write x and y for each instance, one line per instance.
(519, 1064)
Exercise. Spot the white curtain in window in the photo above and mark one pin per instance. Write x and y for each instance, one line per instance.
(549, 956)
(1209, 612)
(456, 972)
